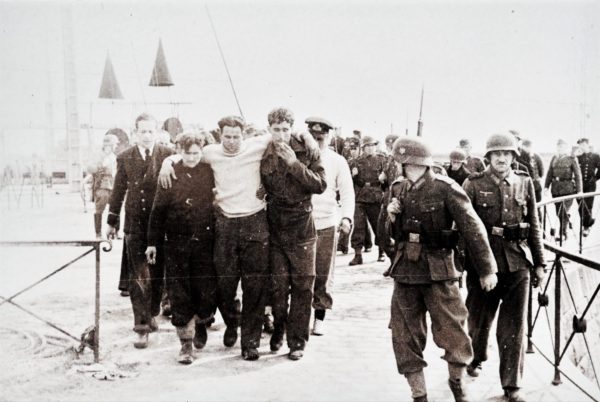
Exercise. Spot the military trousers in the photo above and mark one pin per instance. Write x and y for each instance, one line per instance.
(145, 281)
(562, 212)
(382, 235)
(448, 313)
(101, 197)
(513, 291)
(124, 274)
(293, 276)
(364, 214)
(242, 253)
(326, 239)
(191, 279)
(586, 205)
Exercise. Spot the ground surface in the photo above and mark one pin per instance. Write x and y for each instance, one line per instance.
(352, 362)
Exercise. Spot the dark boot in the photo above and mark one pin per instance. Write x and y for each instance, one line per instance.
(98, 225)
(458, 390)
(230, 336)
(381, 257)
(186, 334)
(513, 395)
(357, 260)
(474, 368)
(268, 326)
(277, 337)
(200, 335)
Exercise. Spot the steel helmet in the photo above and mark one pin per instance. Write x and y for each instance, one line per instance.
(412, 151)
(501, 142)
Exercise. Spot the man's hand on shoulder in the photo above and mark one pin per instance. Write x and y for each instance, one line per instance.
(167, 172)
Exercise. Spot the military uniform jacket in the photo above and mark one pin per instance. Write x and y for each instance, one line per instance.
(435, 203)
(532, 162)
(366, 183)
(502, 205)
(186, 209)
(564, 175)
(589, 163)
(289, 191)
(138, 180)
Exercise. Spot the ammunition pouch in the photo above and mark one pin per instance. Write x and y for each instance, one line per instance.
(443, 239)
(515, 232)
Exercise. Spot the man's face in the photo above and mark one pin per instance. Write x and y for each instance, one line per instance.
(146, 133)
(322, 137)
(281, 132)
(562, 148)
(526, 148)
(500, 161)
(584, 146)
(192, 155)
(456, 164)
(369, 149)
(231, 138)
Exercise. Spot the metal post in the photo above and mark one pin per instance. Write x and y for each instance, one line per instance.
(581, 212)
(97, 307)
(557, 279)
(530, 319)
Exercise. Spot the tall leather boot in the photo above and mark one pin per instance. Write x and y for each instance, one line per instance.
(98, 225)
(186, 336)
(357, 260)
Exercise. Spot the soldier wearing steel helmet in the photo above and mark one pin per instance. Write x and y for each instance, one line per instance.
(505, 201)
(365, 174)
(563, 178)
(422, 211)
(457, 170)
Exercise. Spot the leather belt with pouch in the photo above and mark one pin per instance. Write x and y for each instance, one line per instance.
(511, 232)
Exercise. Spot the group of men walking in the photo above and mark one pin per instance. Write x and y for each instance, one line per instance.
(267, 211)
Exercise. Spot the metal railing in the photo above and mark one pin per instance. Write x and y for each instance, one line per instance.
(555, 243)
(93, 332)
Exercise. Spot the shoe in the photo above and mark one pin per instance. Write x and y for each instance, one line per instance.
(474, 368)
(124, 293)
(200, 336)
(268, 326)
(368, 249)
(296, 354)
(141, 341)
(277, 338)
(586, 232)
(250, 354)
(342, 249)
(420, 399)
(318, 327)
(210, 322)
(357, 260)
(153, 325)
(458, 391)
(166, 309)
(381, 257)
(186, 354)
(230, 336)
(513, 395)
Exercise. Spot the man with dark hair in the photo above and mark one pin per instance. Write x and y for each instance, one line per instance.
(589, 163)
(457, 170)
(185, 214)
(136, 177)
(290, 177)
(504, 199)
(241, 231)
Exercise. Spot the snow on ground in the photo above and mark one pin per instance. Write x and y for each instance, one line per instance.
(354, 361)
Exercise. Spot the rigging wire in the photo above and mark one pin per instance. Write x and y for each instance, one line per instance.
(212, 25)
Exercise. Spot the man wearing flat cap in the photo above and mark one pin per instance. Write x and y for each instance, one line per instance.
(365, 174)
(472, 163)
(328, 217)
(589, 163)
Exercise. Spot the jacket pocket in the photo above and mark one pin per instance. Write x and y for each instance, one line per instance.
(441, 265)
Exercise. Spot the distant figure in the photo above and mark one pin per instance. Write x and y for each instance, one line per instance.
(589, 163)
(102, 172)
(473, 163)
(536, 167)
(563, 178)
(457, 170)
(389, 143)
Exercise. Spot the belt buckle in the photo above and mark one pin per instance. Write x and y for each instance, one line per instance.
(367, 184)
(414, 238)
(496, 231)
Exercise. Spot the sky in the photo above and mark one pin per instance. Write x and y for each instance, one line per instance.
(485, 66)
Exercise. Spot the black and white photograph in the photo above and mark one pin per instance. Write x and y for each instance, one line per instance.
(300, 200)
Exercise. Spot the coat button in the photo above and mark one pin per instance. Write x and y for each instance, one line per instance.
(143, 200)
(143, 209)
(484, 204)
(142, 191)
